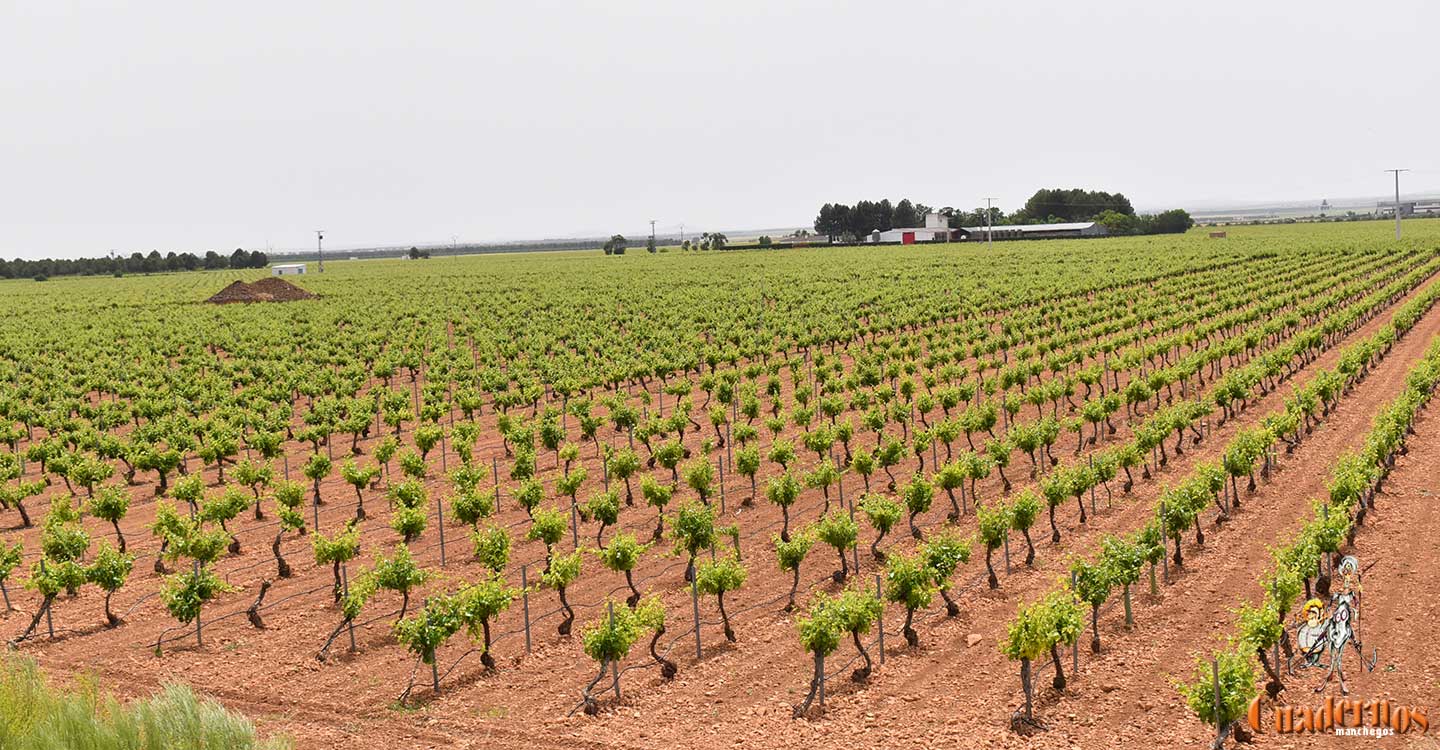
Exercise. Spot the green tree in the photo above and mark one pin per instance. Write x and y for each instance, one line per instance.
(1236, 677)
(385, 450)
(287, 498)
(841, 532)
(223, 509)
(189, 489)
(317, 467)
(1117, 223)
(184, 594)
(910, 583)
(398, 573)
(905, 214)
(919, 494)
(109, 570)
(995, 522)
(783, 491)
(855, 612)
(559, 574)
(603, 507)
(88, 472)
(700, 476)
(479, 603)
(1055, 488)
(1030, 635)
(782, 452)
(359, 478)
(255, 475)
(607, 641)
(669, 454)
(1123, 560)
(718, 577)
(622, 465)
(1174, 221)
(1024, 509)
(819, 636)
(10, 558)
(548, 526)
(789, 555)
(424, 632)
(943, 553)
(1074, 204)
(337, 549)
(863, 463)
(821, 477)
(1092, 585)
(492, 547)
(657, 496)
(470, 506)
(693, 531)
(621, 555)
(883, 513)
(111, 504)
(1067, 623)
(529, 495)
(1261, 629)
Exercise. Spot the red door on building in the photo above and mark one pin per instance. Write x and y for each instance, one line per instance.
(907, 238)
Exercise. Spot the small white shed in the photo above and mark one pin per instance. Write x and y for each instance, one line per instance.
(287, 269)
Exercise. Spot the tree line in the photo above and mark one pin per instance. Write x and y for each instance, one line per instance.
(136, 262)
(617, 243)
(1174, 221)
(842, 221)
(851, 223)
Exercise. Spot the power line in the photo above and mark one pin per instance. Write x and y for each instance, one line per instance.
(1397, 199)
(989, 233)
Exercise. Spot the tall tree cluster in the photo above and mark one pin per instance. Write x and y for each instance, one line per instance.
(1054, 205)
(136, 262)
(616, 245)
(851, 222)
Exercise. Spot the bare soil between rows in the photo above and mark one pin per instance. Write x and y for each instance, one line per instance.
(945, 693)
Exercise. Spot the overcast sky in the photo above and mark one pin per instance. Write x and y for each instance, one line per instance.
(204, 125)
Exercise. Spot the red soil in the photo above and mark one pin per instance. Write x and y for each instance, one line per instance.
(945, 692)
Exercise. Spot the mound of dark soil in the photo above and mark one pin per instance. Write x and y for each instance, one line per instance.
(269, 289)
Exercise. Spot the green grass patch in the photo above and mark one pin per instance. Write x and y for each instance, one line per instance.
(35, 714)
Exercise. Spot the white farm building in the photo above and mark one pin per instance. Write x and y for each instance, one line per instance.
(1038, 231)
(936, 229)
(287, 269)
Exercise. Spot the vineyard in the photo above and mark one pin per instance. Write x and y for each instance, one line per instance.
(1043, 494)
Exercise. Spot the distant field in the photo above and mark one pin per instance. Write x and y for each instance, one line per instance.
(726, 397)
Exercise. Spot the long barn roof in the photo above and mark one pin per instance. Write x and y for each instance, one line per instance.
(1069, 226)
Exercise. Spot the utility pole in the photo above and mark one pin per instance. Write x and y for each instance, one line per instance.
(989, 233)
(1397, 199)
(454, 244)
(652, 233)
(319, 248)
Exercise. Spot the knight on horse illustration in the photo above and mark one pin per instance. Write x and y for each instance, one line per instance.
(1324, 630)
